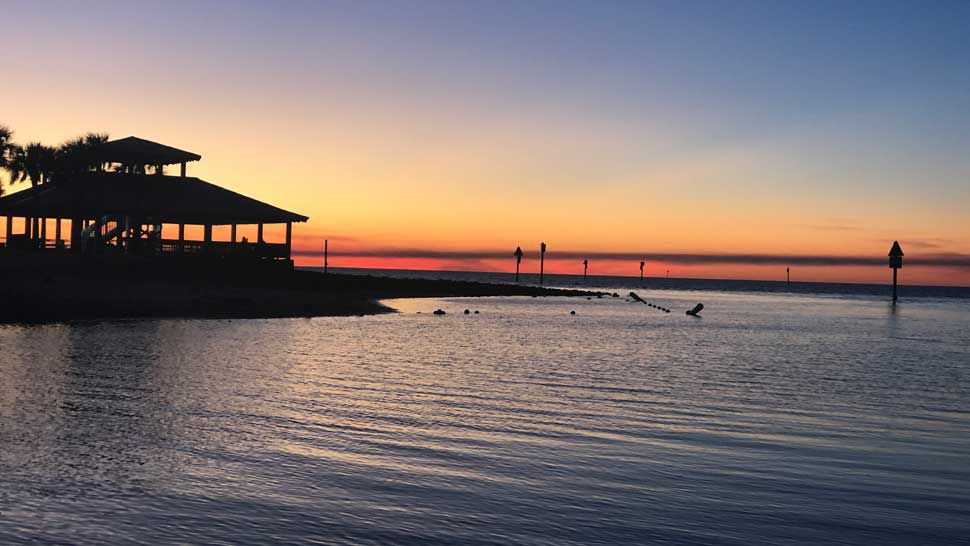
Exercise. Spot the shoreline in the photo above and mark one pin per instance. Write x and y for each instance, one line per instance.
(38, 297)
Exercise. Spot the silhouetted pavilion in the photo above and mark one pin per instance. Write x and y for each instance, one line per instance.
(119, 206)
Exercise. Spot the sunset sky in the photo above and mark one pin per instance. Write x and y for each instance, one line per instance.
(711, 139)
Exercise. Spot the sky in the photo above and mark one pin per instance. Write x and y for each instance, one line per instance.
(709, 139)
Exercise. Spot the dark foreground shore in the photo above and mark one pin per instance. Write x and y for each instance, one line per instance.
(110, 293)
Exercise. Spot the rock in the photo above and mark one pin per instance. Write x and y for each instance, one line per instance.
(467, 312)
(572, 312)
(439, 312)
(476, 312)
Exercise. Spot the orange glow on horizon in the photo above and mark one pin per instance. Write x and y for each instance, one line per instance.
(911, 275)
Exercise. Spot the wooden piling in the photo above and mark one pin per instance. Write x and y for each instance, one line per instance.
(542, 261)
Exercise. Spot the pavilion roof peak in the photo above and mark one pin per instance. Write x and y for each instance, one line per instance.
(139, 151)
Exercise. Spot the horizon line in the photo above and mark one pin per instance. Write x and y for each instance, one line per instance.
(651, 277)
(941, 259)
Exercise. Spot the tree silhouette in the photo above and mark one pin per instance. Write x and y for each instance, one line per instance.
(6, 148)
(32, 163)
(77, 154)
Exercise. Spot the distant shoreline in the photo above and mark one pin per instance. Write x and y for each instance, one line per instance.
(625, 283)
(94, 293)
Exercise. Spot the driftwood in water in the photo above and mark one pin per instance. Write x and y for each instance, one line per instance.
(697, 309)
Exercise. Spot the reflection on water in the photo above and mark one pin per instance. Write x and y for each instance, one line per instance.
(773, 419)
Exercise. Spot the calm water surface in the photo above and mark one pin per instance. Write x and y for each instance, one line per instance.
(775, 419)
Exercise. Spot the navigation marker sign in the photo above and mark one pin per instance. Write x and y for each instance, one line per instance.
(895, 262)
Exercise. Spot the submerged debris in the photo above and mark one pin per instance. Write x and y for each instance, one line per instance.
(637, 298)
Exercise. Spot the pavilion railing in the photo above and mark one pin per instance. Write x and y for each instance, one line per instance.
(173, 247)
(224, 248)
(22, 242)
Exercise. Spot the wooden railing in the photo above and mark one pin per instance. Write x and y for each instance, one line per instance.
(21, 242)
(173, 247)
(272, 251)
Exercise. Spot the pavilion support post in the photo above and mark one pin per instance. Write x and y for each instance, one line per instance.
(9, 229)
(259, 233)
(289, 238)
(57, 232)
(28, 224)
(43, 233)
(207, 237)
(233, 233)
(182, 169)
(76, 226)
(181, 247)
(98, 236)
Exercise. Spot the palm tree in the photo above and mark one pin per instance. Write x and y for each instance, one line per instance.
(76, 155)
(6, 147)
(33, 162)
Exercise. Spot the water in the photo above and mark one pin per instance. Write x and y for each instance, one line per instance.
(774, 419)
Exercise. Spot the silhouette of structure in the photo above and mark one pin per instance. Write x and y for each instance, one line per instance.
(118, 207)
(585, 268)
(641, 271)
(518, 260)
(895, 262)
(542, 261)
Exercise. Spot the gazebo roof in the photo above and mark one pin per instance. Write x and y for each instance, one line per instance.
(155, 198)
(138, 151)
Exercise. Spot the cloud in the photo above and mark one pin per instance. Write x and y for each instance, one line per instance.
(833, 227)
(937, 259)
(932, 243)
(344, 239)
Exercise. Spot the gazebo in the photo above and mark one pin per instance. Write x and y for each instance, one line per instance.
(119, 205)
